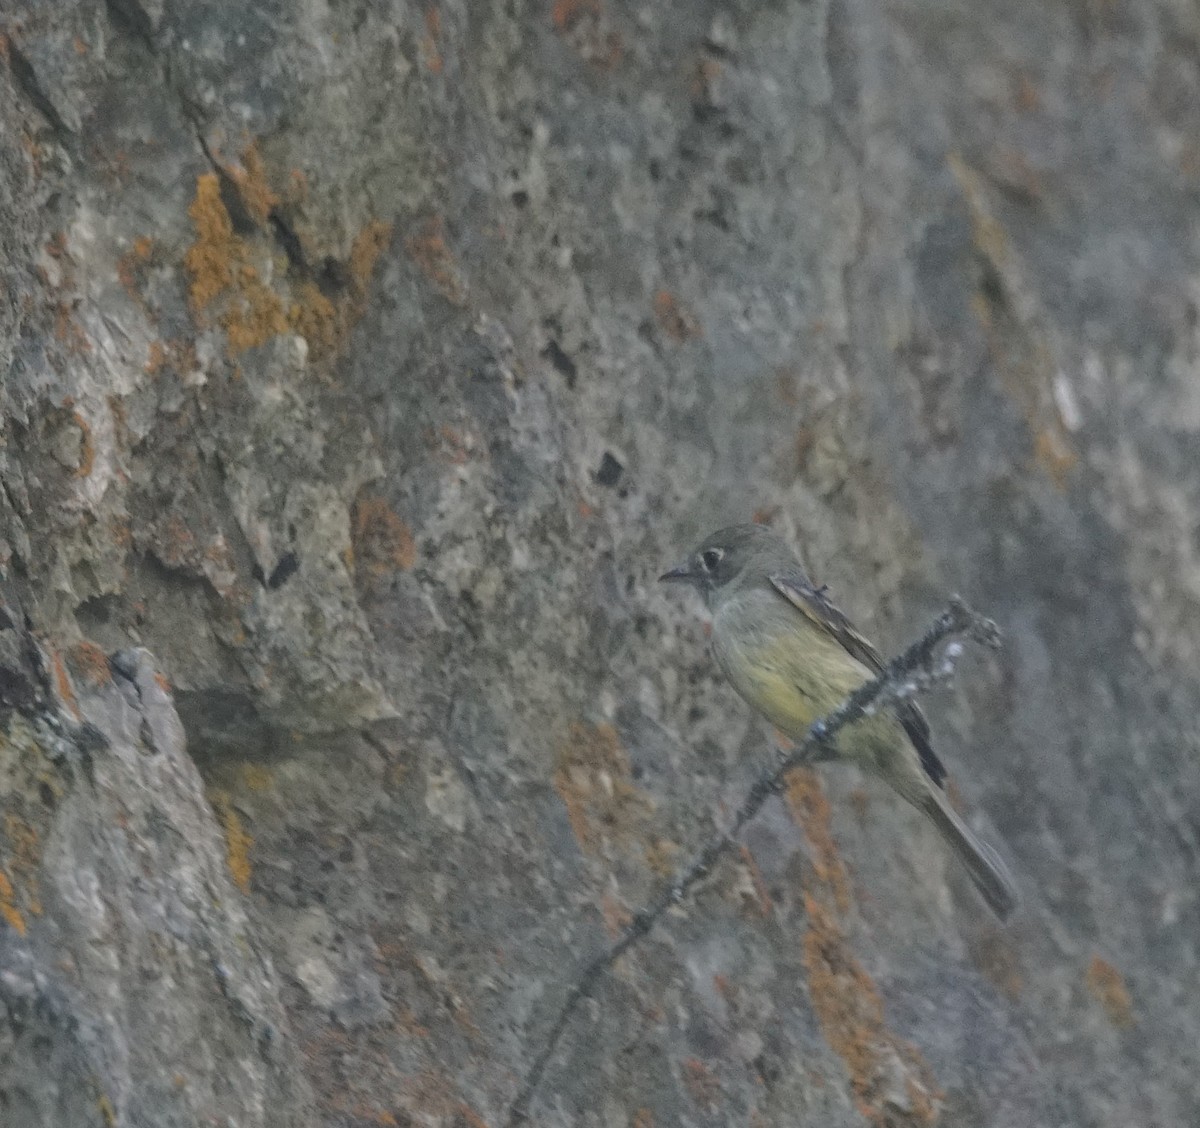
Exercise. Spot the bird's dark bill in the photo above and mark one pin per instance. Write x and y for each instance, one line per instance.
(681, 574)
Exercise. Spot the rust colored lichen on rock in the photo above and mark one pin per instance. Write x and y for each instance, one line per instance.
(87, 447)
(237, 841)
(846, 1000)
(225, 270)
(88, 663)
(8, 908)
(594, 780)
(62, 683)
(210, 259)
(314, 317)
(1107, 986)
(675, 319)
(427, 248)
(218, 265)
(382, 542)
(131, 266)
(368, 245)
(430, 53)
(251, 180)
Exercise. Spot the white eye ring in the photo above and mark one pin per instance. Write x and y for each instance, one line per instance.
(710, 558)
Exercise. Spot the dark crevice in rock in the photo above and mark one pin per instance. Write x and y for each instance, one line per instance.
(131, 18)
(28, 83)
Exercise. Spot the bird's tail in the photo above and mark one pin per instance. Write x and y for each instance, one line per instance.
(987, 872)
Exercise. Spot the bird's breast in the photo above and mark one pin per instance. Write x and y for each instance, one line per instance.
(780, 662)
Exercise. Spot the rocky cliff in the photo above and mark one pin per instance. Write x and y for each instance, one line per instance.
(366, 361)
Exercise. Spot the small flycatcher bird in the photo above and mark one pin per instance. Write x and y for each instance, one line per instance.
(794, 657)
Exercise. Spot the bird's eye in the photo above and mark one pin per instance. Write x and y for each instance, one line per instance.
(710, 558)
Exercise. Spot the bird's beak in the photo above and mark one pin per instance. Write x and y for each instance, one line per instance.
(681, 574)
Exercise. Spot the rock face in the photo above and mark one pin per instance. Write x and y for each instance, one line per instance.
(365, 364)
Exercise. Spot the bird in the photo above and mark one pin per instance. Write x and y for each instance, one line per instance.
(795, 658)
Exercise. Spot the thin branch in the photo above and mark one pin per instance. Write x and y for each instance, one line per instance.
(910, 673)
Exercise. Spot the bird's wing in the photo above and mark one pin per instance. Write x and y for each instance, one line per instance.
(814, 604)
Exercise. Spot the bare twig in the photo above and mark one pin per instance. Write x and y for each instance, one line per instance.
(909, 673)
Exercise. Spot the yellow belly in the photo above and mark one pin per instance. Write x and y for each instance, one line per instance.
(793, 673)
(796, 679)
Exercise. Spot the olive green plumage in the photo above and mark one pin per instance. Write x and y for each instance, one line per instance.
(794, 657)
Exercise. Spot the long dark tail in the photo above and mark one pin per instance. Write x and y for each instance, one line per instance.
(987, 872)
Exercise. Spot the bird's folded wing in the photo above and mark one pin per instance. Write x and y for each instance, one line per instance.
(813, 603)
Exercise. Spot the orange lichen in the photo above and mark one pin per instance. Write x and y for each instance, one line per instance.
(255, 777)
(379, 1116)
(368, 245)
(62, 683)
(1107, 986)
(701, 1083)
(131, 266)
(251, 181)
(24, 849)
(8, 908)
(176, 545)
(616, 916)
(427, 248)
(660, 856)
(121, 528)
(296, 192)
(810, 808)
(89, 663)
(233, 272)
(1053, 452)
(162, 683)
(87, 448)
(468, 1117)
(175, 355)
(315, 318)
(564, 14)
(210, 260)
(382, 542)
(585, 25)
(68, 331)
(449, 444)
(986, 232)
(845, 998)
(256, 313)
(678, 322)
(120, 418)
(1027, 96)
(237, 841)
(593, 779)
(429, 45)
(218, 262)
(157, 359)
(432, 1095)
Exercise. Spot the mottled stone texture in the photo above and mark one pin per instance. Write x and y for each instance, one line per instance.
(366, 361)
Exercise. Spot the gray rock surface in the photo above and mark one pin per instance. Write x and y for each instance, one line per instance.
(366, 361)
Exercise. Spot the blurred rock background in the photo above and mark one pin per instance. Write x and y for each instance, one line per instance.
(366, 361)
